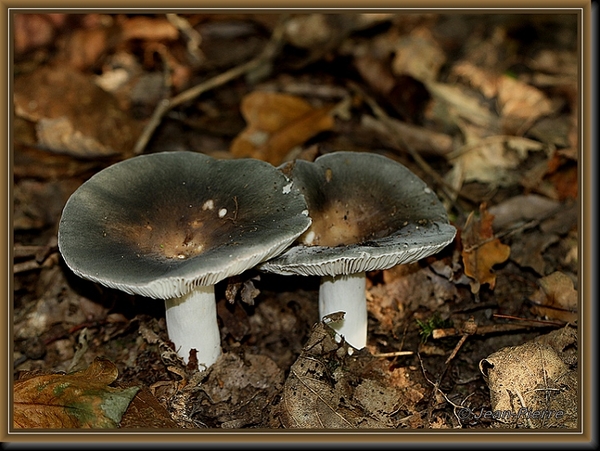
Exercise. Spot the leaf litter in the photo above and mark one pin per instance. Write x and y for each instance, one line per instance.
(484, 116)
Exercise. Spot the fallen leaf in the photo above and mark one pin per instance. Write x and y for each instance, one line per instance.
(484, 80)
(309, 31)
(521, 208)
(563, 175)
(520, 104)
(493, 159)
(529, 380)
(145, 411)
(454, 102)
(72, 114)
(236, 391)
(418, 55)
(147, 28)
(481, 251)
(375, 72)
(406, 288)
(556, 62)
(277, 123)
(85, 47)
(78, 400)
(32, 31)
(528, 247)
(556, 298)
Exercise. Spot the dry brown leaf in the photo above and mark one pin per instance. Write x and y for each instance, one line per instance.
(531, 386)
(235, 392)
(419, 56)
(481, 251)
(476, 77)
(277, 123)
(78, 400)
(32, 31)
(564, 177)
(493, 159)
(309, 30)
(147, 28)
(553, 61)
(85, 47)
(375, 72)
(406, 288)
(521, 208)
(145, 411)
(72, 114)
(520, 104)
(527, 249)
(453, 102)
(556, 298)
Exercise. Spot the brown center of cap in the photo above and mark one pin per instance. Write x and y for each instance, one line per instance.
(174, 231)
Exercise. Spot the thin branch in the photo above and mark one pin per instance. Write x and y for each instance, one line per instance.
(393, 354)
(491, 329)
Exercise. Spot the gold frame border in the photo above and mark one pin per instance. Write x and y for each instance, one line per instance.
(583, 436)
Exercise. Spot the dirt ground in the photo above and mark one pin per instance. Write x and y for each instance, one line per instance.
(482, 107)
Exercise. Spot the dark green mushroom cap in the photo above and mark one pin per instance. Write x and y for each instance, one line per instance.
(369, 212)
(161, 224)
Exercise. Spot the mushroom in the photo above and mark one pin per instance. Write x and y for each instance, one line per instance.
(369, 213)
(170, 225)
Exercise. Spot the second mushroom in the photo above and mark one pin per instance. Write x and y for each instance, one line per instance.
(369, 213)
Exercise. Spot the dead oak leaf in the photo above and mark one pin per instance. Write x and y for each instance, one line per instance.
(418, 55)
(520, 104)
(556, 298)
(481, 79)
(78, 400)
(481, 251)
(277, 123)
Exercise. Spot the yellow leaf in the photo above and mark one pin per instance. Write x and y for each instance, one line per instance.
(481, 251)
(277, 123)
(77, 400)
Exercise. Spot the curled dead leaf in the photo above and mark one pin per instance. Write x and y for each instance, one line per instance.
(481, 251)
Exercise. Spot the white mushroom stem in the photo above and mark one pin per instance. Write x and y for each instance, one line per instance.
(192, 324)
(346, 293)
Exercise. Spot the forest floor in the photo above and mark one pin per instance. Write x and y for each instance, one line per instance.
(482, 107)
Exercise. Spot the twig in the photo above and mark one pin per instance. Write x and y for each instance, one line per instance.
(491, 329)
(469, 328)
(436, 388)
(541, 321)
(393, 354)
(269, 52)
(29, 265)
(194, 39)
